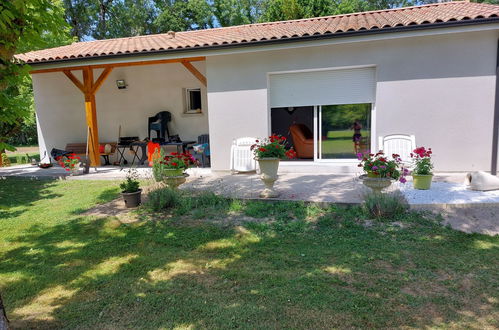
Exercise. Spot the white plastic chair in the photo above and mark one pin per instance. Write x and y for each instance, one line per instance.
(241, 155)
(399, 144)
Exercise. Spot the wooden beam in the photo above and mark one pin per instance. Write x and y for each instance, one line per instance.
(192, 69)
(123, 64)
(91, 116)
(101, 79)
(75, 80)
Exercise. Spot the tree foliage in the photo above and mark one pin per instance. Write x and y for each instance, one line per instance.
(24, 25)
(99, 19)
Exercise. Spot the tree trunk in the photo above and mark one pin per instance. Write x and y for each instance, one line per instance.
(4, 321)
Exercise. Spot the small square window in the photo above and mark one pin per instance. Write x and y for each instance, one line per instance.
(193, 100)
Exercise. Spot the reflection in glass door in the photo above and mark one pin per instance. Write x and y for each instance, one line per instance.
(342, 130)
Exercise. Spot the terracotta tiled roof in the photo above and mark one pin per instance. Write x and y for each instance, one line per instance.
(443, 13)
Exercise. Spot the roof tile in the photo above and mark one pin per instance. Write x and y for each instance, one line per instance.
(251, 33)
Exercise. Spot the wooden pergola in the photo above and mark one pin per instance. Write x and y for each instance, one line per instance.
(89, 88)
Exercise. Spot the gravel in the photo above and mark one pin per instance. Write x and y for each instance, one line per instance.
(447, 193)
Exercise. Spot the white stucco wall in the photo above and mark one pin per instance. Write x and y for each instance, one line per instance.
(439, 88)
(151, 88)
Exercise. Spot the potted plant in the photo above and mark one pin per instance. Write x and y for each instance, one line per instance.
(130, 189)
(71, 163)
(171, 168)
(381, 171)
(422, 172)
(268, 153)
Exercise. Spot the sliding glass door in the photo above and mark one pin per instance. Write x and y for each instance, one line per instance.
(342, 131)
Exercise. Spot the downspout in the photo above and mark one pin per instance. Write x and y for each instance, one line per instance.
(495, 132)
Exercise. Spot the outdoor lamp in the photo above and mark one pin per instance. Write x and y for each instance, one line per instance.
(121, 83)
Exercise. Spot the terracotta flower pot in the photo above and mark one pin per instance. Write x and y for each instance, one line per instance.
(132, 199)
(422, 181)
(268, 174)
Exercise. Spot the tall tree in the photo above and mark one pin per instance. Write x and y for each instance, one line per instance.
(132, 18)
(78, 14)
(24, 25)
(183, 15)
(102, 15)
(234, 12)
(277, 10)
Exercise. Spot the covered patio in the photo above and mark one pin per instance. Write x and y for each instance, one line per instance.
(100, 104)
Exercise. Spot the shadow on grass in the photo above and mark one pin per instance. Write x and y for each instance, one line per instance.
(24, 192)
(104, 197)
(108, 195)
(104, 274)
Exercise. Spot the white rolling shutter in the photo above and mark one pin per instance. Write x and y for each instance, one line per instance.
(345, 86)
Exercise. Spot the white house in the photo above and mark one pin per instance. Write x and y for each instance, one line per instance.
(428, 71)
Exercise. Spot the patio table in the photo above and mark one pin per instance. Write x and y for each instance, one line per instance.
(134, 146)
(180, 145)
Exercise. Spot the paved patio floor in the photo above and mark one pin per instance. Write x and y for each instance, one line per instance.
(447, 188)
(463, 209)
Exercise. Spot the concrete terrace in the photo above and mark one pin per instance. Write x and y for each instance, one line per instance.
(462, 209)
(447, 188)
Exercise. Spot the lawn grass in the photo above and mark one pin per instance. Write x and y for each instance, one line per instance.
(339, 144)
(21, 158)
(274, 265)
(19, 155)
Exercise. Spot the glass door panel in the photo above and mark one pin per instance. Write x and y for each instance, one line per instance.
(343, 130)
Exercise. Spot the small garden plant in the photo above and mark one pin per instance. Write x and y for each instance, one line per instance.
(173, 161)
(70, 162)
(378, 165)
(5, 159)
(272, 147)
(131, 183)
(421, 158)
(157, 165)
(385, 206)
(162, 199)
(177, 161)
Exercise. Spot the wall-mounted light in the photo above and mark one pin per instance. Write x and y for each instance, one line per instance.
(121, 84)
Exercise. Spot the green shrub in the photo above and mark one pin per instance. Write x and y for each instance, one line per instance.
(5, 160)
(162, 199)
(201, 201)
(157, 166)
(22, 159)
(209, 199)
(385, 205)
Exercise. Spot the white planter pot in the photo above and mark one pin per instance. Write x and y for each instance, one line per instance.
(76, 171)
(268, 174)
(376, 184)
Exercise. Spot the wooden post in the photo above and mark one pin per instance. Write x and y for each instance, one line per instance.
(89, 88)
(91, 115)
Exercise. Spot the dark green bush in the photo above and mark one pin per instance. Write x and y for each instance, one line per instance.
(385, 205)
